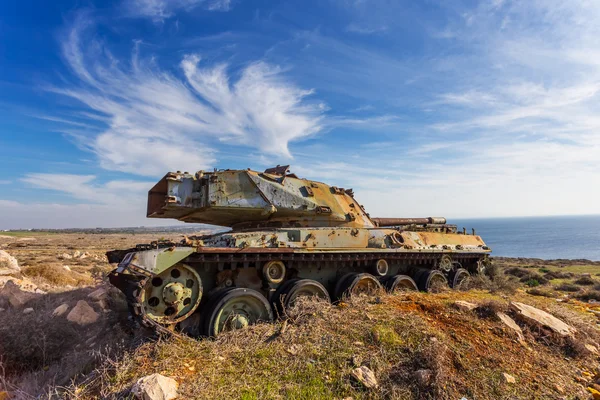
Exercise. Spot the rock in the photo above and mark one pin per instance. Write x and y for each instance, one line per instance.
(423, 377)
(66, 268)
(28, 310)
(464, 305)
(591, 348)
(508, 321)
(559, 388)
(82, 314)
(294, 349)
(508, 378)
(60, 310)
(155, 387)
(8, 264)
(534, 315)
(84, 255)
(65, 256)
(595, 393)
(365, 376)
(97, 294)
(14, 295)
(76, 254)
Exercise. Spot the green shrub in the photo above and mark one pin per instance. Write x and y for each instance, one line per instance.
(532, 283)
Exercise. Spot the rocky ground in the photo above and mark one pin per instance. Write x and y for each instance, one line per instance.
(529, 331)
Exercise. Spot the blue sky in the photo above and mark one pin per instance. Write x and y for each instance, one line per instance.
(462, 108)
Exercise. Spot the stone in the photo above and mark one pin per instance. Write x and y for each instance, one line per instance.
(559, 389)
(66, 268)
(532, 315)
(28, 310)
(84, 255)
(595, 393)
(591, 348)
(294, 349)
(508, 321)
(155, 387)
(60, 310)
(8, 264)
(14, 295)
(464, 305)
(508, 378)
(76, 254)
(365, 376)
(97, 294)
(65, 256)
(82, 314)
(423, 377)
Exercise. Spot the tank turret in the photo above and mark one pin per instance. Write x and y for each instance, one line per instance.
(246, 198)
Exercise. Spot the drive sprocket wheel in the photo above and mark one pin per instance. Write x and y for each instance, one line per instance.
(173, 295)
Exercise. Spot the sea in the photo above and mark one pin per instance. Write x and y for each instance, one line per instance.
(561, 237)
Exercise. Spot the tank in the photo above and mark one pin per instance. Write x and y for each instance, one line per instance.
(289, 237)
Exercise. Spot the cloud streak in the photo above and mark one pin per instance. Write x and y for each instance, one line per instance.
(160, 10)
(160, 122)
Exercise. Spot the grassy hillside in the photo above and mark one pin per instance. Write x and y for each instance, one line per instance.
(312, 354)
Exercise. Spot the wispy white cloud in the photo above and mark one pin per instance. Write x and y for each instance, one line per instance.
(85, 187)
(158, 122)
(365, 30)
(159, 10)
(5, 182)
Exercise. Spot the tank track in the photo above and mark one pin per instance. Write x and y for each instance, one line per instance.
(230, 261)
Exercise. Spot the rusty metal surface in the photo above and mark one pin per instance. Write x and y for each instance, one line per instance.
(308, 228)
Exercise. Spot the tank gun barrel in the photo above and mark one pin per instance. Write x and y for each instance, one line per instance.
(408, 221)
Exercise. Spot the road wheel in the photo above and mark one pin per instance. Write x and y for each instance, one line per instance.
(431, 280)
(357, 284)
(459, 277)
(400, 283)
(289, 293)
(235, 308)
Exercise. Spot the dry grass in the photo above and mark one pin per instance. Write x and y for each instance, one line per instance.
(309, 356)
(57, 275)
(312, 354)
(39, 350)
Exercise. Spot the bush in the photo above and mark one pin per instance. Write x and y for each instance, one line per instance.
(567, 287)
(500, 283)
(558, 275)
(540, 292)
(490, 310)
(589, 295)
(532, 283)
(586, 281)
(527, 276)
(544, 270)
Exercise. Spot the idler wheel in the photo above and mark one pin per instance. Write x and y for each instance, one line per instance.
(235, 308)
(172, 295)
(431, 280)
(354, 284)
(400, 283)
(288, 293)
(459, 277)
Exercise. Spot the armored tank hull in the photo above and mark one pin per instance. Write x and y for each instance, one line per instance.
(290, 237)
